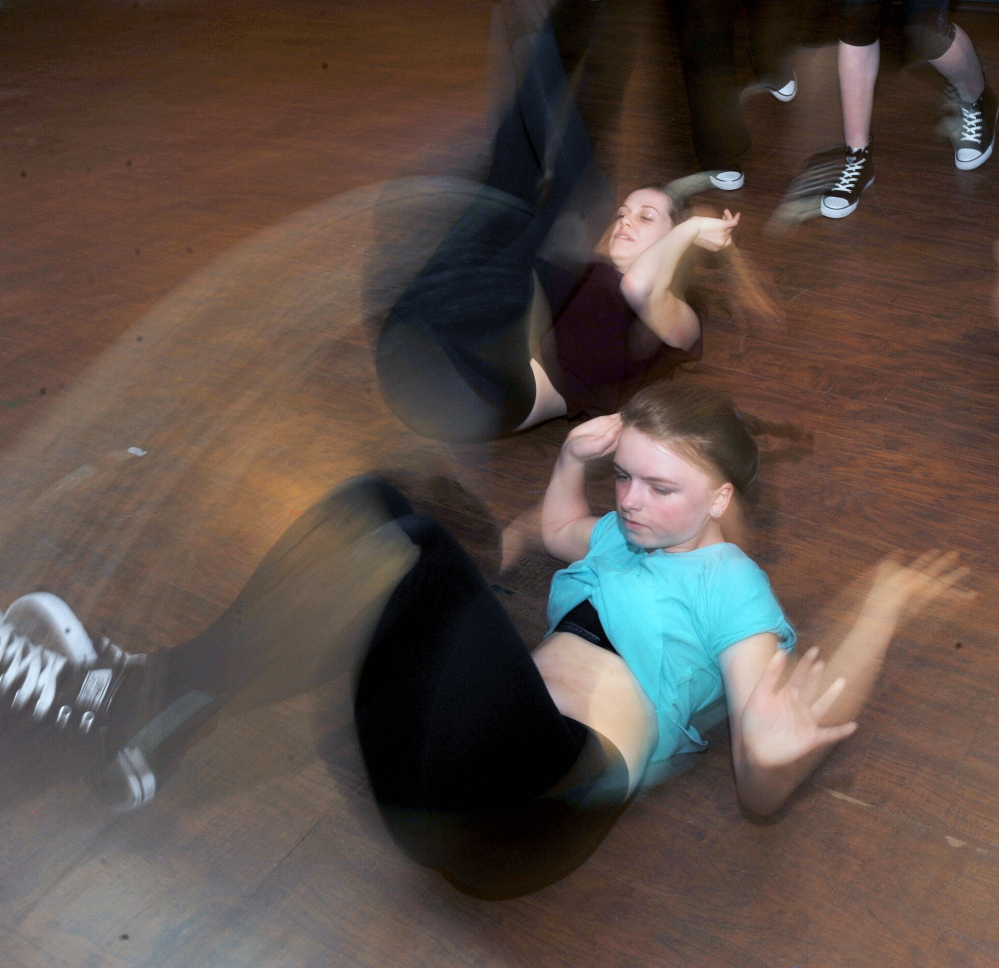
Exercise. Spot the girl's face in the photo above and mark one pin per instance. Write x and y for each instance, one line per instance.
(642, 219)
(663, 500)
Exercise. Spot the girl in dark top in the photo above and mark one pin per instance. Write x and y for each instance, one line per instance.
(459, 360)
(460, 355)
(627, 321)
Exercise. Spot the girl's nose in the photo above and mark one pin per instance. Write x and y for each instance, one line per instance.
(630, 497)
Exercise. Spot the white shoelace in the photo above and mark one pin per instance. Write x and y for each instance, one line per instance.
(971, 124)
(39, 668)
(850, 175)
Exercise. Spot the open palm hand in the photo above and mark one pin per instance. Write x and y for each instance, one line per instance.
(780, 722)
(903, 591)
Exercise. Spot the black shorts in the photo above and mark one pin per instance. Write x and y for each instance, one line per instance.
(584, 621)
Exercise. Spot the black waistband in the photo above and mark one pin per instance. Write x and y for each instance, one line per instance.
(584, 621)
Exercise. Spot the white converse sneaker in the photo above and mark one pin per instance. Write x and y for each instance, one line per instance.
(69, 697)
(49, 622)
(93, 701)
(727, 181)
(813, 180)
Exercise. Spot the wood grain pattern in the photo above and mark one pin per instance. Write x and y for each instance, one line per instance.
(195, 207)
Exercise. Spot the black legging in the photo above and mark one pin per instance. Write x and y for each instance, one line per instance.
(453, 358)
(474, 769)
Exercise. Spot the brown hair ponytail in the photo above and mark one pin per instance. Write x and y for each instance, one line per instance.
(703, 423)
(700, 421)
(746, 293)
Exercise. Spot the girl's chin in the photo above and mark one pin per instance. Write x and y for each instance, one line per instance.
(642, 536)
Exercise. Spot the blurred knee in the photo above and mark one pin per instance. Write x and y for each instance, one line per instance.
(927, 38)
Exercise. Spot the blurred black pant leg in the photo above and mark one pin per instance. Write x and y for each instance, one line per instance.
(476, 772)
(453, 358)
(706, 34)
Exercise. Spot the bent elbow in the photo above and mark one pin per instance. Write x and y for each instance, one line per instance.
(689, 326)
(553, 541)
(688, 339)
(636, 292)
(549, 544)
(684, 330)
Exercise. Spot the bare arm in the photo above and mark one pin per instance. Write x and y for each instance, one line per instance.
(777, 739)
(566, 518)
(783, 726)
(647, 283)
(895, 594)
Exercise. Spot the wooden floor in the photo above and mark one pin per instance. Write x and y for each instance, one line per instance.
(201, 204)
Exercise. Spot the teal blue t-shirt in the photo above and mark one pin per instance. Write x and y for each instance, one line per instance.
(670, 615)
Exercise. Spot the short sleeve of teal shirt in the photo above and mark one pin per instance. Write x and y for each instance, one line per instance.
(670, 615)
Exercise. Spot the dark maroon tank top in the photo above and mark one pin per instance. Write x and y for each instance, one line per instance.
(599, 353)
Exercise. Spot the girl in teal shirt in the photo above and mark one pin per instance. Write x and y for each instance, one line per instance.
(690, 617)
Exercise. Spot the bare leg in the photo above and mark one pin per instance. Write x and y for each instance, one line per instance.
(596, 687)
(960, 65)
(548, 402)
(858, 71)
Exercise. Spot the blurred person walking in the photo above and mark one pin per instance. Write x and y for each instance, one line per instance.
(706, 34)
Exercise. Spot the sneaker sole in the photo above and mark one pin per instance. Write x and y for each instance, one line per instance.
(750, 90)
(129, 782)
(980, 160)
(138, 770)
(786, 98)
(843, 212)
(727, 186)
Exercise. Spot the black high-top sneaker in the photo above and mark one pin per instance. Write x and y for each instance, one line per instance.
(856, 176)
(814, 179)
(976, 136)
(101, 706)
(48, 693)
